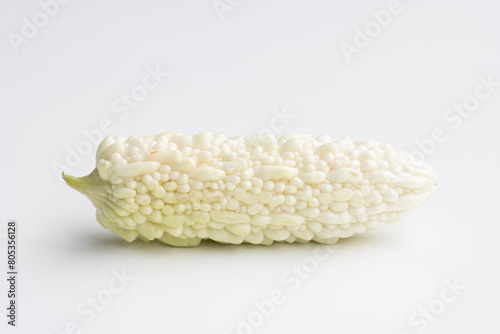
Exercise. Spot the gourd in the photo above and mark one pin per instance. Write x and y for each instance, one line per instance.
(182, 189)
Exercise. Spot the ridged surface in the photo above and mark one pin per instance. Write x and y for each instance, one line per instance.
(294, 188)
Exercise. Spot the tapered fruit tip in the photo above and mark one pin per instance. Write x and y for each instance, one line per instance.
(71, 181)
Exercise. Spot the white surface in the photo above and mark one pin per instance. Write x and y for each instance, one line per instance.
(229, 76)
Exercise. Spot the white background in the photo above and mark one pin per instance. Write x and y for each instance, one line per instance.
(230, 76)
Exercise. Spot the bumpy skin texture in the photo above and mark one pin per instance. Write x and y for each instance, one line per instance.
(182, 189)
